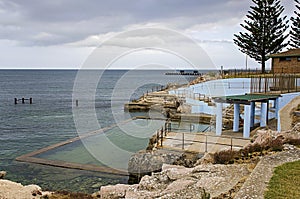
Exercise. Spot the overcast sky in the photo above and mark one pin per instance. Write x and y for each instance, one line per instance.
(63, 33)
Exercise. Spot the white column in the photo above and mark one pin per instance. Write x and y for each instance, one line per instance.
(252, 115)
(219, 119)
(277, 116)
(277, 108)
(247, 117)
(236, 117)
(263, 114)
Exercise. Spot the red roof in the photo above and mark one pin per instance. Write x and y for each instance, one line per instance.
(289, 53)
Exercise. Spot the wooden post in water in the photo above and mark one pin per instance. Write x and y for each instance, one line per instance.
(30, 100)
(76, 103)
(23, 100)
(16, 101)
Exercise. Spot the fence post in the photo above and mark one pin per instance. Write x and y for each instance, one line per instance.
(166, 127)
(231, 144)
(162, 136)
(191, 127)
(206, 143)
(296, 83)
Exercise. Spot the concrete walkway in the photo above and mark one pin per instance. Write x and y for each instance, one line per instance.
(200, 142)
(256, 184)
(285, 114)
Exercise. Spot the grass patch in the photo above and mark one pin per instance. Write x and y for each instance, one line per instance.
(285, 182)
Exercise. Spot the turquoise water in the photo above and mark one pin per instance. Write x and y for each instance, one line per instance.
(86, 150)
(49, 120)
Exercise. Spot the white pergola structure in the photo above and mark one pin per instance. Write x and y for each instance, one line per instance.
(248, 100)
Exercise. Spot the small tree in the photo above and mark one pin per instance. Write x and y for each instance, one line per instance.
(265, 31)
(295, 31)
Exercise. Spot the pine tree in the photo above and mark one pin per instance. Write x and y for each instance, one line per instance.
(295, 31)
(265, 31)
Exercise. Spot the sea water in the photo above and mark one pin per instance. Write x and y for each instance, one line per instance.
(49, 120)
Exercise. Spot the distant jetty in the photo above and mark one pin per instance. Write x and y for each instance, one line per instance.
(182, 72)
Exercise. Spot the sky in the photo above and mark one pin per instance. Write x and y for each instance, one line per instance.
(65, 34)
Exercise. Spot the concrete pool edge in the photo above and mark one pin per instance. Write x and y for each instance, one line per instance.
(71, 165)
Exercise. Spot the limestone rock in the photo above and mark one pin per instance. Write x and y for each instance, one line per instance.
(180, 182)
(294, 133)
(178, 185)
(176, 172)
(263, 137)
(208, 158)
(13, 190)
(147, 162)
(288, 147)
(2, 174)
(113, 191)
(192, 191)
(152, 183)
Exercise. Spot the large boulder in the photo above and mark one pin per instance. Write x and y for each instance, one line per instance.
(180, 182)
(174, 172)
(146, 162)
(112, 191)
(294, 133)
(265, 137)
(9, 189)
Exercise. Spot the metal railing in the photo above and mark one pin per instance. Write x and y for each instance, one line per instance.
(162, 136)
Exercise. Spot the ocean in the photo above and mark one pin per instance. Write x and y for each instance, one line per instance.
(49, 120)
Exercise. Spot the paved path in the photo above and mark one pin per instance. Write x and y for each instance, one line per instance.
(285, 117)
(256, 184)
(196, 142)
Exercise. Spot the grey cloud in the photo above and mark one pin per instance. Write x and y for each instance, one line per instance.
(35, 22)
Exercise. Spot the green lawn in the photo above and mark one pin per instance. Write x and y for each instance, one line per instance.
(285, 183)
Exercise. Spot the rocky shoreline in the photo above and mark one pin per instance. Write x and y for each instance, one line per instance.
(173, 174)
(204, 179)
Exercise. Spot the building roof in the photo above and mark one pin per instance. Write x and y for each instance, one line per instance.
(290, 53)
(246, 98)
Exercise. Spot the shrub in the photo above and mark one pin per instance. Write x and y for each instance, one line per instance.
(225, 157)
(293, 141)
(255, 148)
(276, 144)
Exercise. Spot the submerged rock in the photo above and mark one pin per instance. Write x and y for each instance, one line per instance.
(2, 174)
